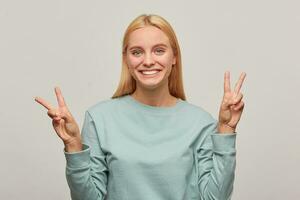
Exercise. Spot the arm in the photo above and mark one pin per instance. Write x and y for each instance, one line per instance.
(216, 157)
(86, 170)
(216, 154)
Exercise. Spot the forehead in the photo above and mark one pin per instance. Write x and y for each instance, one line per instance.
(149, 35)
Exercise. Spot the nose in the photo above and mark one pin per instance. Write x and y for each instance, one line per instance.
(148, 61)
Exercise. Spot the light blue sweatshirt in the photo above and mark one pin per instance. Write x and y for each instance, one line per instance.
(134, 151)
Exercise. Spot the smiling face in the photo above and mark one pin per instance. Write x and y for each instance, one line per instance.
(149, 57)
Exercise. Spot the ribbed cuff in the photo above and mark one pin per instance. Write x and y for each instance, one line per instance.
(224, 142)
(78, 159)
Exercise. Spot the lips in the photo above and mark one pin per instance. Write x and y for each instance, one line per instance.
(149, 73)
(141, 70)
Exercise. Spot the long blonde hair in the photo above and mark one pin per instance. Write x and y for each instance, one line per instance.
(127, 84)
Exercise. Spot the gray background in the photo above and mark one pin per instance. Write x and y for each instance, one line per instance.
(77, 46)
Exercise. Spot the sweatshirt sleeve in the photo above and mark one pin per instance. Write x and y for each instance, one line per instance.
(216, 164)
(86, 170)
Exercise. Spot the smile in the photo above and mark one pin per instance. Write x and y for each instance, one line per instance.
(150, 73)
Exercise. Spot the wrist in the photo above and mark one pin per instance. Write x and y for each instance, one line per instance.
(224, 128)
(73, 146)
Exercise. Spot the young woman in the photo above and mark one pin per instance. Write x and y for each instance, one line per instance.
(147, 142)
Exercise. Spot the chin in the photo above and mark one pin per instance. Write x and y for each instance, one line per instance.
(149, 85)
(151, 81)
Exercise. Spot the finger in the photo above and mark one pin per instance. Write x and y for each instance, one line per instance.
(53, 113)
(55, 116)
(227, 82)
(43, 103)
(239, 106)
(226, 104)
(60, 98)
(239, 84)
(58, 114)
(55, 119)
(237, 98)
(56, 123)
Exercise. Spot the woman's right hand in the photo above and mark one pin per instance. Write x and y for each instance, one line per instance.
(63, 122)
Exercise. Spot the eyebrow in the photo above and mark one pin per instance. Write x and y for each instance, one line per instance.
(160, 44)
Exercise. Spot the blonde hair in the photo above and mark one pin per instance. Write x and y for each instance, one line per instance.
(127, 84)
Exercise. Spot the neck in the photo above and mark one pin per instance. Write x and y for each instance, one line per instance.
(159, 96)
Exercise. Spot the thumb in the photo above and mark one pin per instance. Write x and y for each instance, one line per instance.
(65, 115)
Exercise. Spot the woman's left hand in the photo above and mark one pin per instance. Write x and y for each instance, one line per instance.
(232, 105)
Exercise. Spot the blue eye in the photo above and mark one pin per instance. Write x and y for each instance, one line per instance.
(136, 53)
(160, 51)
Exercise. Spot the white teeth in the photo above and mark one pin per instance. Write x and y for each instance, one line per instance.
(150, 72)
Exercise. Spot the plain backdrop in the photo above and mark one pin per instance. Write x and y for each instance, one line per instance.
(76, 45)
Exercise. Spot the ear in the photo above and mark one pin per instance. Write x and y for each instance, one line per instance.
(125, 60)
(174, 61)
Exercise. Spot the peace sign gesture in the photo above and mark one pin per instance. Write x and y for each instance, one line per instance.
(232, 105)
(63, 122)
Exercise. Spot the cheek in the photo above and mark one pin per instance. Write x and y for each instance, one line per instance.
(133, 61)
(166, 60)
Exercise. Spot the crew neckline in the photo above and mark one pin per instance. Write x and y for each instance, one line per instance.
(153, 109)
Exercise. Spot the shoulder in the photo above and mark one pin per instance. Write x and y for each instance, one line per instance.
(103, 107)
(199, 113)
